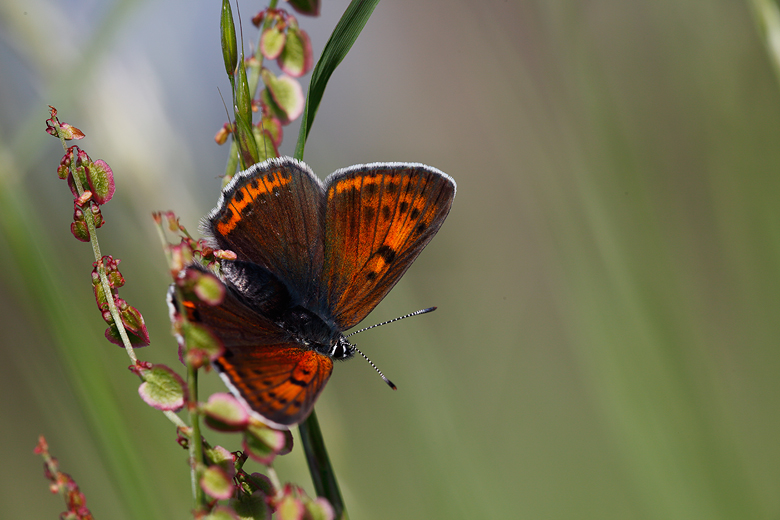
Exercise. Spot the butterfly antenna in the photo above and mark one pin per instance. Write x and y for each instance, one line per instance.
(389, 383)
(415, 313)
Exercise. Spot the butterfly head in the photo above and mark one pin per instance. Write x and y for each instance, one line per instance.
(342, 349)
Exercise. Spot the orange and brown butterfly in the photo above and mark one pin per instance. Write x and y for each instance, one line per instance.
(312, 260)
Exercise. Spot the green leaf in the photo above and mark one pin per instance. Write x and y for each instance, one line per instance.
(162, 388)
(247, 145)
(243, 95)
(263, 444)
(216, 483)
(197, 337)
(209, 289)
(222, 513)
(224, 413)
(101, 181)
(339, 44)
(296, 58)
(319, 509)
(252, 507)
(265, 144)
(272, 42)
(286, 93)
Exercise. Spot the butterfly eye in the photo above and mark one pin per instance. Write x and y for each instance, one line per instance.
(343, 349)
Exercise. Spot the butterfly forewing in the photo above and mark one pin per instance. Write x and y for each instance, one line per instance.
(378, 218)
(270, 215)
(234, 323)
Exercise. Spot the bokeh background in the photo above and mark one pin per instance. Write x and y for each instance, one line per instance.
(608, 281)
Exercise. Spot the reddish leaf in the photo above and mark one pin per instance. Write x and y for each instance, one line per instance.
(80, 231)
(69, 132)
(202, 346)
(253, 506)
(133, 322)
(320, 509)
(181, 256)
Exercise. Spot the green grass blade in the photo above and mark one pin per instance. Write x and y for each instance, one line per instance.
(339, 44)
(322, 474)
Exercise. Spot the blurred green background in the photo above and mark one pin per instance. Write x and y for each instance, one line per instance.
(608, 282)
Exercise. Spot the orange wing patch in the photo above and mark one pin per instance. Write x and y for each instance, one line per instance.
(390, 211)
(408, 219)
(280, 383)
(271, 182)
(351, 184)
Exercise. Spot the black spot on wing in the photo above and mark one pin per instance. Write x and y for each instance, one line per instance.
(387, 253)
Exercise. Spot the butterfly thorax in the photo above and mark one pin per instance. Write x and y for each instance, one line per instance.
(311, 331)
(265, 293)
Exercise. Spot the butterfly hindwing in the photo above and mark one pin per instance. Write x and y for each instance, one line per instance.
(233, 321)
(262, 363)
(378, 218)
(279, 382)
(270, 215)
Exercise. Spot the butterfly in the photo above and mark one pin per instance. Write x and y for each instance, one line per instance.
(312, 260)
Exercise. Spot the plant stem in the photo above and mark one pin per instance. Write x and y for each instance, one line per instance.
(196, 441)
(322, 473)
(88, 219)
(253, 75)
